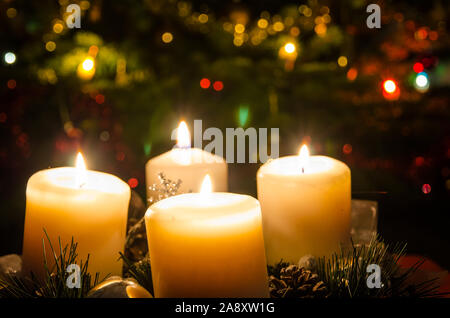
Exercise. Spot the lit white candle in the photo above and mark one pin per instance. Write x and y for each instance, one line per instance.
(87, 205)
(207, 244)
(187, 164)
(305, 202)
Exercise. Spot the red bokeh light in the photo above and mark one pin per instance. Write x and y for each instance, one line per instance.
(133, 183)
(426, 188)
(422, 34)
(11, 84)
(347, 149)
(433, 35)
(99, 99)
(205, 83)
(419, 161)
(218, 86)
(418, 67)
(3, 117)
(352, 74)
(120, 156)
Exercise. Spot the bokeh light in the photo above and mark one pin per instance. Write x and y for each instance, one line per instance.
(58, 27)
(205, 83)
(433, 36)
(419, 161)
(203, 18)
(421, 82)
(243, 114)
(11, 13)
(239, 28)
(418, 67)
(352, 74)
(278, 26)
(86, 69)
(88, 64)
(321, 29)
(133, 183)
(11, 84)
(391, 90)
(347, 149)
(389, 86)
(50, 46)
(289, 48)
(426, 188)
(218, 86)
(294, 31)
(263, 23)
(342, 61)
(10, 57)
(100, 99)
(167, 37)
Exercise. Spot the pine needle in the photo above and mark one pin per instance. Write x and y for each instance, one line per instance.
(54, 284)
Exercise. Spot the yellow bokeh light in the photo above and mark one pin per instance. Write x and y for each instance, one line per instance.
(321, 29)
(11, 13)
(278, 26)
(255, 40)
(203, 18)
(238, 41)
(265, 15)
(167, 37)
(389, 86)
(342, 61)
(88, 64)
(84, 5)
(319, 20)
(227, 26)
(93, 50)
(307, 12)
(239, 28)
(325, 10)
(86, 69)
(288, 21)
(50, 46)
(294, 31)
(58, 27)
(263, 23)
(289, 48)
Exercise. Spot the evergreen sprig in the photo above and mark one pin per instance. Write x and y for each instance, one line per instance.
(141, 271)
(345, 273)
(54, 284)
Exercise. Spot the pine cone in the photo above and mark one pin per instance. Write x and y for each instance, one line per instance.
(296, 282)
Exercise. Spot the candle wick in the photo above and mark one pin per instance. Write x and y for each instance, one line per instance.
(303, 169)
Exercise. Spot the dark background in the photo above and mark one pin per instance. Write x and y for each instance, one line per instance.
(398, 150)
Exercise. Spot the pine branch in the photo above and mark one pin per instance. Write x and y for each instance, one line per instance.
(141, 271)
(54, 284)
(345, 273)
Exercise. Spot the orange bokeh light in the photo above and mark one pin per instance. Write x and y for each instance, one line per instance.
(391, 90)
(205, 83)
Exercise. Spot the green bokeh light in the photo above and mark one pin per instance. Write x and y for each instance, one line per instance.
(243, 114)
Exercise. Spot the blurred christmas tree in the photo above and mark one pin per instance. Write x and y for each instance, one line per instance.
(116, 87)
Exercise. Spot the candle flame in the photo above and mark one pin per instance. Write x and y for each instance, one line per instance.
(81, 175)
(183, 136)
(206, 185)
(303, 156)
